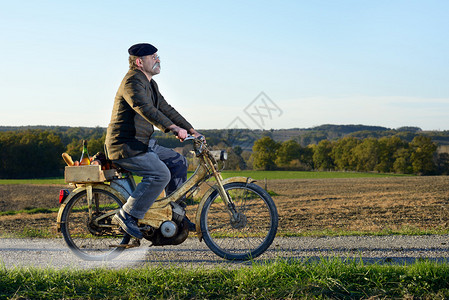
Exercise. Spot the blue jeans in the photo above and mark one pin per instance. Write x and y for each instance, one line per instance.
(160, 168)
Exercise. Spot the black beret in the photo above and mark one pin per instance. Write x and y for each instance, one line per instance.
(142, 49)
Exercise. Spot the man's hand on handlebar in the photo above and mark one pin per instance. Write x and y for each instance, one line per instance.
(182, 134)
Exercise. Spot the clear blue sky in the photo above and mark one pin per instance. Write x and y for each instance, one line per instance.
(382, 62)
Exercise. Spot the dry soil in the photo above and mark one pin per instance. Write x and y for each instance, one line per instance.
(304, 205)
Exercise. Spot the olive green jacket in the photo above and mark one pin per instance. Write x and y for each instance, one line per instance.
(138, 106)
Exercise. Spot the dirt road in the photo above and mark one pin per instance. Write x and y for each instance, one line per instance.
(54, 253)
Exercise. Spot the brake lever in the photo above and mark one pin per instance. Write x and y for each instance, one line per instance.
(189, 137)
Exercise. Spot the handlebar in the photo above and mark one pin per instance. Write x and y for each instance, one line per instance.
(191, 137)
(199, 144)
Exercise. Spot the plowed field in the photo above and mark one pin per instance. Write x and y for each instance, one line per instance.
(304, 205)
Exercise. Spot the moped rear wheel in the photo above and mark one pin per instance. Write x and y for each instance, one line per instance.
(93, 238)
(250, 232)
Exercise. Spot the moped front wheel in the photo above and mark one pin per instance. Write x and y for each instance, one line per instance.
(245, 231)
(95, 237)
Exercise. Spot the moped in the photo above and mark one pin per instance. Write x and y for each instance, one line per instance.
(236, 218)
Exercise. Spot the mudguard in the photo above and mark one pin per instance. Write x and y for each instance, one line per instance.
(80, 189)
(208, 193)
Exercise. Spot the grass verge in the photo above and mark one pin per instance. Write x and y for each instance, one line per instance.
(259, 175)
(33, 181)
(31, 232)
(31, 210)
(407, 230)
(326, 278)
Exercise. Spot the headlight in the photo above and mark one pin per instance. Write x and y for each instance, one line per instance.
(219, 154)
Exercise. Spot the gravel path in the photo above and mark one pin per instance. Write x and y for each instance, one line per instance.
(54, 253)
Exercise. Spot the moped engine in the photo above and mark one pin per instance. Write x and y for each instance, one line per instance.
(171, 232)
(169, 229)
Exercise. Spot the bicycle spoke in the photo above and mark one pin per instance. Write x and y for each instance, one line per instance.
(91, 239)
(251, 229)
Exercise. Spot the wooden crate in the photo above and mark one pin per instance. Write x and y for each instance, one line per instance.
(84, 174)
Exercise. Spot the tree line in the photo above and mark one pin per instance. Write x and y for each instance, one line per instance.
(384, 155)
(36, 153)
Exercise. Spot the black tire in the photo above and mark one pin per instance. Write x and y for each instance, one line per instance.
(87, 240)
(248, 238)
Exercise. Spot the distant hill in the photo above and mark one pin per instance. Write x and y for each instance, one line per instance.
(245, 137)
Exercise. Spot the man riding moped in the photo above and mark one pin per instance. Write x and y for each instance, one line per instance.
(138, 107)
